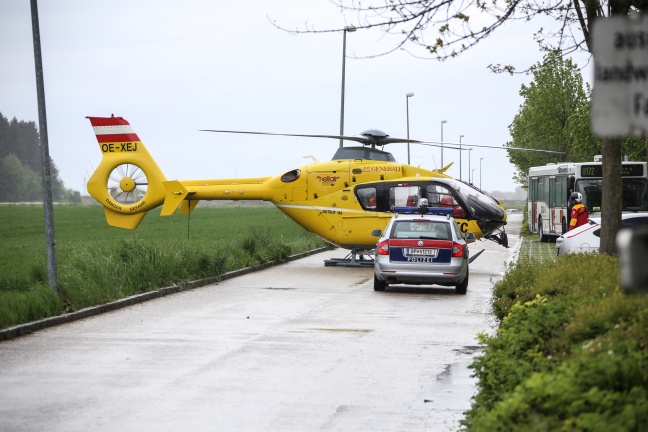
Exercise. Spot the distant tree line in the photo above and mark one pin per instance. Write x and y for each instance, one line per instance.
(20, 165)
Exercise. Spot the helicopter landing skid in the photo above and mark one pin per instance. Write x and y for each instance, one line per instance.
(353, 259)
(501, 238)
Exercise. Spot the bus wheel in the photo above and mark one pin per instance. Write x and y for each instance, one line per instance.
(541, 235)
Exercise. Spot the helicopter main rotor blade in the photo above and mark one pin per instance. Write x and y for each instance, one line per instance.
(389, 140)
(456, 147)
(368, 139)
(371, 139)
(359, 139)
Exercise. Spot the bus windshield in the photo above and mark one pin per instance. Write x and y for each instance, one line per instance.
(634, 193)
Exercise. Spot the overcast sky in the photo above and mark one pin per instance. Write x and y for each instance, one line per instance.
(172, 68)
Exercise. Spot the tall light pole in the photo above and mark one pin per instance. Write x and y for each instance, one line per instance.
(480, 159)
(344, 32)
(407, 96)
(470, 179)
(473, 173)
(460, 136)
(48, 206)
(442, 121)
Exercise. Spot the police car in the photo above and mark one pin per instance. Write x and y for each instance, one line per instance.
(422, 246)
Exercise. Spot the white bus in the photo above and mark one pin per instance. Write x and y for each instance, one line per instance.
(551, 185)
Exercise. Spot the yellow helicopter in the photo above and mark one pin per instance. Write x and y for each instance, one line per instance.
(341, 200)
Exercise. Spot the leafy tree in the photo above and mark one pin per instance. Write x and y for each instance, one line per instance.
(552, 117)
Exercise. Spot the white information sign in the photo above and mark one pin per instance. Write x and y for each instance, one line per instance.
(620, 94)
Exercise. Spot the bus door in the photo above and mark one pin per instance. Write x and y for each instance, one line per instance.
(532, 211)
(551, 204)
(560, 214)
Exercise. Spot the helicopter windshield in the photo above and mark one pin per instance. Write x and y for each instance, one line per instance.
(481, 205)
(465, 200)
(365, 153)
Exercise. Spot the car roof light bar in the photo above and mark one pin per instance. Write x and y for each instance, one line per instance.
(423, 210)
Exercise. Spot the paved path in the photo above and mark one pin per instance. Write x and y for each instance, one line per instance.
(297, 347)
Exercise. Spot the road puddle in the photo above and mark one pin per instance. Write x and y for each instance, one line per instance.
(455, 387)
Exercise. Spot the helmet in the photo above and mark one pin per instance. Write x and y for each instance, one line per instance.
(446, 200)
(577, 197)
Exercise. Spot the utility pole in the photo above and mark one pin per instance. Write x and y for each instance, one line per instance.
(50, 242)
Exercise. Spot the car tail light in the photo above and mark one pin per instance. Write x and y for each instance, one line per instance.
(457, 250)
(383, 247)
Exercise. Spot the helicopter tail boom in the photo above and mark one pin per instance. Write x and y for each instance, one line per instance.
(128, 182)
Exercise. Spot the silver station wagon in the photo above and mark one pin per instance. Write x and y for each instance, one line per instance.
(422, 246)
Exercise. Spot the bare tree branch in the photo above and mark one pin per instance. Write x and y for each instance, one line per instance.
(443, 29)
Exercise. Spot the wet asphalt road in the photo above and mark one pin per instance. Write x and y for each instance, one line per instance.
(297, 347)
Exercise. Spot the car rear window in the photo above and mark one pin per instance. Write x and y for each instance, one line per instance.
(421, 229)
(634, 222)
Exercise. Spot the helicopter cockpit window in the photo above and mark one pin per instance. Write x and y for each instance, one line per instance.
(291, 176)
(367, 197)
(404, 196)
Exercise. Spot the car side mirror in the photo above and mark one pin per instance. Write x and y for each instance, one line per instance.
(469, 237)
(376, 233)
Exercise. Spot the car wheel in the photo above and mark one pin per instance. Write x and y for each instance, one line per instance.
(463, 286)
(379, 285)
(541, 235)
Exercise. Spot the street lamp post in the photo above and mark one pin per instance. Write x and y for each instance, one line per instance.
(442, 121)
(473, 173)
(480, 159)
(460, 136)
(407, 96)
(344, 32)
(470, 179)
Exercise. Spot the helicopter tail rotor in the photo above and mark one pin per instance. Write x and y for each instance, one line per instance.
(127, 182)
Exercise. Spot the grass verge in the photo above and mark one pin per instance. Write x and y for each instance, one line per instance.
(98, 264)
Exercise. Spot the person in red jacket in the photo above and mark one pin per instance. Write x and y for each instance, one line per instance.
(579, 212)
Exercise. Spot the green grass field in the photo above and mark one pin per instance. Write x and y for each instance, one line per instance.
(98, 263)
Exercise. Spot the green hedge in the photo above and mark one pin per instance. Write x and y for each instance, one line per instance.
(570, 352)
